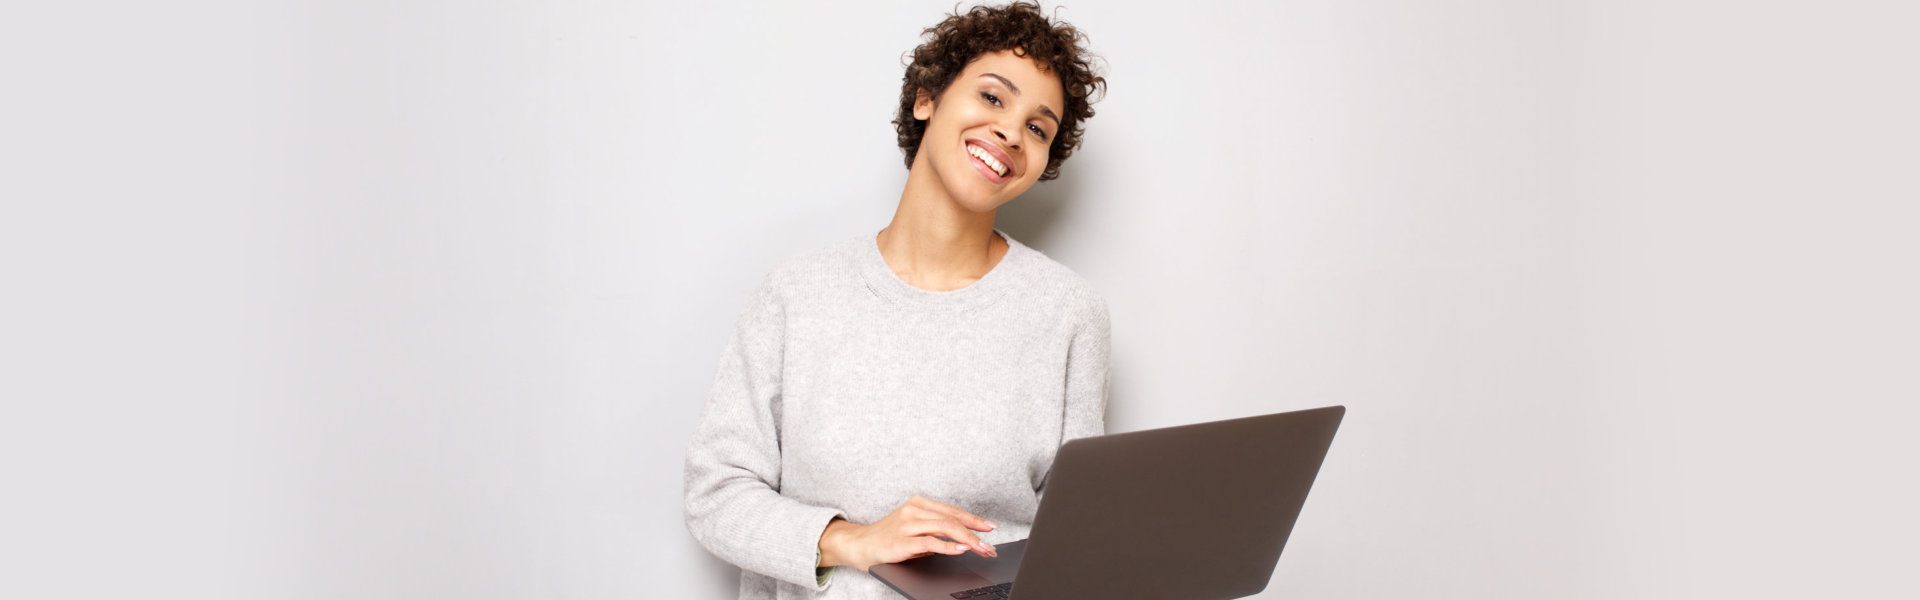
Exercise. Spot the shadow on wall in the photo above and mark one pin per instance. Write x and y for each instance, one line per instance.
(1031, 217)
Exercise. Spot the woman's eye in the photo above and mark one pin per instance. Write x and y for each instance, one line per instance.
(990, 98)
(1038, 131)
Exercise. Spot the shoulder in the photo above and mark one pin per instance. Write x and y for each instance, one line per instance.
(794, 275)
(1072, 292)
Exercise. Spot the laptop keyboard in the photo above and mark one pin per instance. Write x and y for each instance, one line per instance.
(992, 592)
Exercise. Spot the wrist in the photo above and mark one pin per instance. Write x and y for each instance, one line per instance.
(834, 546)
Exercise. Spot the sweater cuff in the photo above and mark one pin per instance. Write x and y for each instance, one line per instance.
(810, 524)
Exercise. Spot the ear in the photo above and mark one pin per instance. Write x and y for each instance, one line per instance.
(923, 104)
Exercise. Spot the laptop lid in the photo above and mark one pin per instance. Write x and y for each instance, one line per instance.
(1196, 512)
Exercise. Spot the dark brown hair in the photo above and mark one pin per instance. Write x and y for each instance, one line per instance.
(1022, 28)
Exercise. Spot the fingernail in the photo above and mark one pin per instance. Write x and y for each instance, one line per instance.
(991, 526)
(959, 547)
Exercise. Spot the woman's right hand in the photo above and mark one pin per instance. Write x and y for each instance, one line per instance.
(911, 531)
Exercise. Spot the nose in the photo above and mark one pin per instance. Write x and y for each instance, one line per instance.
(1000, 131)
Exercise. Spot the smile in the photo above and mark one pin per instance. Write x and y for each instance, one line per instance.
(987, 157)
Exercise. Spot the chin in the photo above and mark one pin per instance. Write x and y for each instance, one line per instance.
(980, 204)
(975, 194)
(982, 198)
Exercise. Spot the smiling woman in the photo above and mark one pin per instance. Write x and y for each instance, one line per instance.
(835, 432)
(985, 124)
(1057, 49)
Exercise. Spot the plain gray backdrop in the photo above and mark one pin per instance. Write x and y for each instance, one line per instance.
(413, 299)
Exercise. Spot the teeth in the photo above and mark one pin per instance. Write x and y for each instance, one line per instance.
(987, 158)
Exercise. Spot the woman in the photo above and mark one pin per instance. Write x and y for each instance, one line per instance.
(903, 393)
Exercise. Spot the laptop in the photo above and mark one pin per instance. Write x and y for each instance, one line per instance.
(1196, 512)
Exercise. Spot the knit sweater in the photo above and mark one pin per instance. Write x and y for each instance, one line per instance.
(844, 391)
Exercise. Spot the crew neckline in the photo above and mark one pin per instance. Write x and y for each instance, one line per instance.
(884, 283)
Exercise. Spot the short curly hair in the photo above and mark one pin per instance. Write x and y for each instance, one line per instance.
(1022, 28)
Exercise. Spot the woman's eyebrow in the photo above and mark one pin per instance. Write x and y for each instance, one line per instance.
(1047, 112)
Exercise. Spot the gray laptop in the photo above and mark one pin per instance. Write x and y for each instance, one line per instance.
(1196, 512)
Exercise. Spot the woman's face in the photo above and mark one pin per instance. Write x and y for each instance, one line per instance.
(988, 135)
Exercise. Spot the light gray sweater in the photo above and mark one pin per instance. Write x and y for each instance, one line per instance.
(845, 391)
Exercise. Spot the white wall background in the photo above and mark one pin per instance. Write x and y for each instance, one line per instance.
(421, 299)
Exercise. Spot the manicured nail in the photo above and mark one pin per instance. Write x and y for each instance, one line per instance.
(959, 547)
(991, 526)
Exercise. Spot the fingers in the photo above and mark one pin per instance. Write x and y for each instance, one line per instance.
(968, 519)
(924, 517)
(906, 548)
(950, 529)
(940, 546)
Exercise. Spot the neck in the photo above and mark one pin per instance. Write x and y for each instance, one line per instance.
(933, 242)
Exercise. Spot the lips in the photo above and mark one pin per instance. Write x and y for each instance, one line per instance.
(990, 160)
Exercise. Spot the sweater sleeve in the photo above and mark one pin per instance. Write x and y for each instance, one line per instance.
(1088, 369)
(733, 502)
